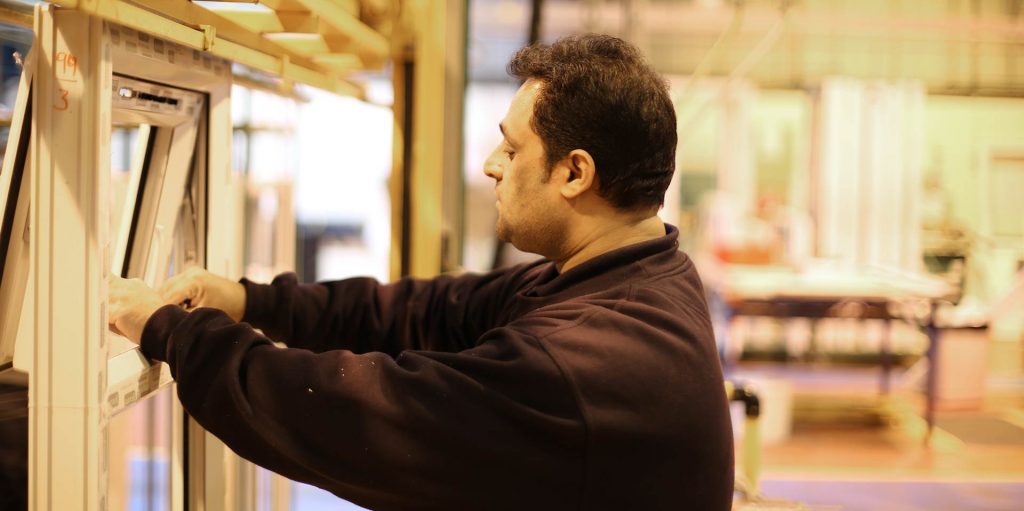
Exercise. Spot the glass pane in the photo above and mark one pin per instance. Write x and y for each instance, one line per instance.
(124, 150)
(14, 46)
(139, 451)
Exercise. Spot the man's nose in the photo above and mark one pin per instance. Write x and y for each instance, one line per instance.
(493, 166)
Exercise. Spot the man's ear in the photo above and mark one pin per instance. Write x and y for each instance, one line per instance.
(579, 173)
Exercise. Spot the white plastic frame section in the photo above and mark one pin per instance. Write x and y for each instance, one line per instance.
(77, 57)
(165, 194)
(14, 243)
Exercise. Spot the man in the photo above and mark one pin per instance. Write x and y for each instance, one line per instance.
(588, 380)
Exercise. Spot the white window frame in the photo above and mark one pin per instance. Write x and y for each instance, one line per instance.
(161, 169)
(76, 57)
(14, 246)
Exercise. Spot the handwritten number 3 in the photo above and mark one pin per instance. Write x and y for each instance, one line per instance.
(64, 101)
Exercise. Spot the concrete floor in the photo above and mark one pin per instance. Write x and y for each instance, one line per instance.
(851, 448)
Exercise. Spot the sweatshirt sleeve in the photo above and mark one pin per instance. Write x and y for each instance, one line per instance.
(425, 429)
(362, 315)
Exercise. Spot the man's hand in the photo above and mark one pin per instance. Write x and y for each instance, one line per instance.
(196, 287)
(131, 303)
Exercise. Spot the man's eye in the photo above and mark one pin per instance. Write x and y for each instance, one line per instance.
(511, 154)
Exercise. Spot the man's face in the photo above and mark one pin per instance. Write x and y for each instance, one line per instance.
(527, 201)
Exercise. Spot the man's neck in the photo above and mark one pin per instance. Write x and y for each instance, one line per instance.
(596, 240)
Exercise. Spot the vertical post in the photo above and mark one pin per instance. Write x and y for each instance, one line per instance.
(68, 222)
(886, 354)
(216, 489)
(281, 493)
(933, 369)
(401, 224)
(452, 182)
(429, 84)
(427, 158)
(195, 463)
(178, 454)
(752, 453)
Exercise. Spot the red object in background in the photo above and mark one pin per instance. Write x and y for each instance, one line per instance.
(751, 254)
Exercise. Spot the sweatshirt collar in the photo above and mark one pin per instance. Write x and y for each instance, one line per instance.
(551, 282)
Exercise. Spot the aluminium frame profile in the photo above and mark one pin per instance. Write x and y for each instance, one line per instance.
(70, 244)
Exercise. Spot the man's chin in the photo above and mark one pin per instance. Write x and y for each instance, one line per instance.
(502, 232)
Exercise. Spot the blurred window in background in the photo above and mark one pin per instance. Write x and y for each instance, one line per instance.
(264, 151)
(343, 206)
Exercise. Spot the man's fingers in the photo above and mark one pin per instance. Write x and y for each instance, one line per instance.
(184, 288)
(113, 328)
(118, 300)
(130, 304)
(179, 289)
(120, 288)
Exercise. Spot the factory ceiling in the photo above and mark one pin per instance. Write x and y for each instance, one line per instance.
(968, 47)
(964, 47)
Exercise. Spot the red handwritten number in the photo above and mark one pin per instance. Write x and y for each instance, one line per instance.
(64, 101)
(67, 61)
(66, 71)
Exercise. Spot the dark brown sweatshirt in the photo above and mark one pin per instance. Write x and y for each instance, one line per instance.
(522, 389)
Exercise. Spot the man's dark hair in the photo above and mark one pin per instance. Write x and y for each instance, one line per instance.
(600, 95)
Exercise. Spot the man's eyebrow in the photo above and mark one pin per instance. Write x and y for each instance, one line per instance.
(501, 126)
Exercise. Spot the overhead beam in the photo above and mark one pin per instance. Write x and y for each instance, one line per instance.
(269, 87)
(339, 62)
(349, 6)
(299, 21)
(366, 42)
(196, 16)
(301, 32)
(336, 21)
(15, 15)
(290, 71)
(269, 21)
(304, 44)
(275, 62)
(282, 5)
(338, 43)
